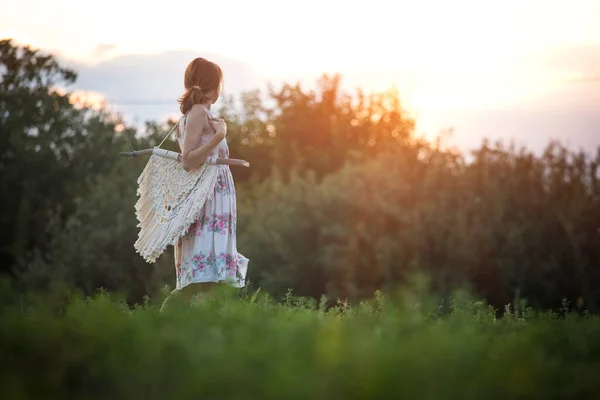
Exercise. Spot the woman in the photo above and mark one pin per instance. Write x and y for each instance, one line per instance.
(207, 254)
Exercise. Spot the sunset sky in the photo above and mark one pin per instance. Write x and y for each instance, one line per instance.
(522, 69)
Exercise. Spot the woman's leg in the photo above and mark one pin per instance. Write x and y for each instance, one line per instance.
(196, 289)
(169, 297)
(188, 292)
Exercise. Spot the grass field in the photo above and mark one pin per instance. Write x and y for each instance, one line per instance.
(250, 346)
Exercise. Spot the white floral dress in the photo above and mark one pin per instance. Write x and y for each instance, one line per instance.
(208, 252)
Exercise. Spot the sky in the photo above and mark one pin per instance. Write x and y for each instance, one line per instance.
(521, 70)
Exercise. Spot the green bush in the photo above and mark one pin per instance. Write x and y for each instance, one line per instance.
(507, 224)
(247, 346)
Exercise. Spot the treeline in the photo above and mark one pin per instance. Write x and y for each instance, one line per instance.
(341, 198)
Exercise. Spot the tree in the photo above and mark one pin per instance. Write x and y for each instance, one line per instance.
(50, 149)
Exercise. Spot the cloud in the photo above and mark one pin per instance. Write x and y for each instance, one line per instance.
(568, 114)
(584, 60)
(146, 86)
(562, 105)
(102, 51)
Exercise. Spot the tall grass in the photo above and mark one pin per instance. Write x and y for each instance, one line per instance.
(246, 345)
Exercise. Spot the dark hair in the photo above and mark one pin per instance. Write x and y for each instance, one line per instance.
(201, 77)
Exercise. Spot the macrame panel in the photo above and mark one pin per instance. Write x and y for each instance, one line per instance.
(170, 200)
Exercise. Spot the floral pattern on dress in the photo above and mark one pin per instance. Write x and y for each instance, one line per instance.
(222, 186)
(223, 265)
(223, 153)
(221, 223)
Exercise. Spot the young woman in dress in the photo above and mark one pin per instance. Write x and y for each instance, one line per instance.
(208, 254)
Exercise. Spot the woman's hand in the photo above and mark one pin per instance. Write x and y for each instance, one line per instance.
(220, 127)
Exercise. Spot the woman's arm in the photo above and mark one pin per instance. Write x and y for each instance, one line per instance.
(194, 152)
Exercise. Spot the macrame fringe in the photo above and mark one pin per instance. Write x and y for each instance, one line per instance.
(170, 201)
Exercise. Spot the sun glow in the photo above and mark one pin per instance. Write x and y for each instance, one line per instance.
(441, 56)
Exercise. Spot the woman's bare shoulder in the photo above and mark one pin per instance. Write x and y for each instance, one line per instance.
(197, 120)
(198, 111)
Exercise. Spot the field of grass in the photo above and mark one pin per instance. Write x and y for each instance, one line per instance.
(250, 346)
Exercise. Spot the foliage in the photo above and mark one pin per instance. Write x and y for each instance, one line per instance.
(340, 200)
(247, 346)
(509, 225)
(50, 150)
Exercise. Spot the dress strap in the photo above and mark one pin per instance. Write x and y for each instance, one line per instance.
(171, 131)
(210, 120)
